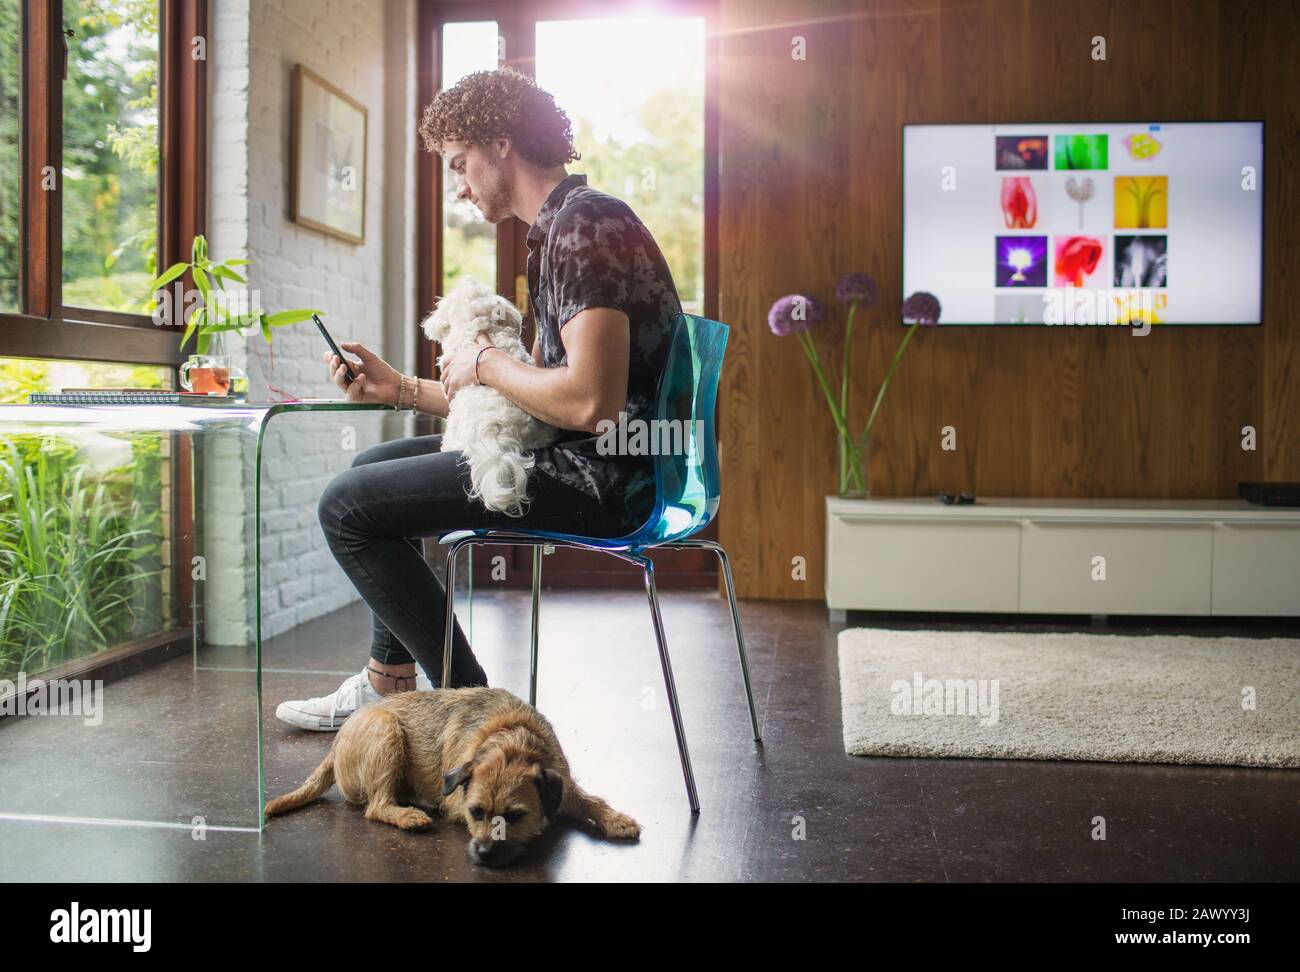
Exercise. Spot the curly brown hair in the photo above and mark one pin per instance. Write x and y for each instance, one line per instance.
(500, 104)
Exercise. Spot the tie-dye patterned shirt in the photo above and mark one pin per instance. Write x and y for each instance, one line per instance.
(588, 249)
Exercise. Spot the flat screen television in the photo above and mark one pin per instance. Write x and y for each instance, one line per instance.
(1086, 223)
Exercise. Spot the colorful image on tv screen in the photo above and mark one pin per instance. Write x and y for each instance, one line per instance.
(1149, 222)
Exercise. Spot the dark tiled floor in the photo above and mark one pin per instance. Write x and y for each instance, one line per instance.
(164, 747)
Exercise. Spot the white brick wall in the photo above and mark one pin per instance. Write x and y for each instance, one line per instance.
(367, 49)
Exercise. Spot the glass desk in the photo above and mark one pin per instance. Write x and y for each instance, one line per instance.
(131, 602)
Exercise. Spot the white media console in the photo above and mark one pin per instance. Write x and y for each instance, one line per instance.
(1172, 557)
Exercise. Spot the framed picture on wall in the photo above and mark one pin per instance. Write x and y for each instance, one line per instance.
(328, 166)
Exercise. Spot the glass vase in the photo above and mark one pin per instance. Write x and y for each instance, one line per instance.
(849, 486)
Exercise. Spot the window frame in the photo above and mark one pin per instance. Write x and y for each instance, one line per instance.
(519, 28)
(43, 326)
(517, 23)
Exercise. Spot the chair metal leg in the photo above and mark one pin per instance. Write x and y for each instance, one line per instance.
(740, 638)
(647, 568)
(671, 686)
(735, 618)
(450, 625)
(537, 598)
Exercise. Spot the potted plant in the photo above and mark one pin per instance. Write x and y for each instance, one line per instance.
(220, 311)
(799, 313)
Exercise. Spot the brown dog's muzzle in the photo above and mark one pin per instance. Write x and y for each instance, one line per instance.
(493, 853)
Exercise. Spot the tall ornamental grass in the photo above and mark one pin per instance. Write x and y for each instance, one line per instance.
(80, 552)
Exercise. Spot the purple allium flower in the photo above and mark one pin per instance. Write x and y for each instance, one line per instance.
(856, 288)
(794, 313)
(922, 308)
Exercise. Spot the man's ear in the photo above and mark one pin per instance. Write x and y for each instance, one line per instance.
(502, 147)
(550, 786)
(460, 776)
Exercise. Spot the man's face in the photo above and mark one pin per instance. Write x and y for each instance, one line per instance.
(479, 175)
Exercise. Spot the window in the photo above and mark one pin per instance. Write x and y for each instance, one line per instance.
(110, 153)
(19, 377)
(92, 570)
(636, 99)
(469, 242)
(636, 95)
(102, 152)
(103, 114)
(10, 179)
(642, 93)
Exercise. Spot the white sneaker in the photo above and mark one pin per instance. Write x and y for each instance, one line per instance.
(329, 712)
(422, 683)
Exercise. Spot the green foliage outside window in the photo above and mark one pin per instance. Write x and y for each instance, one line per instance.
(80, 534)
(80, 550)
(110, 152)
(661, 176)
(10, 181)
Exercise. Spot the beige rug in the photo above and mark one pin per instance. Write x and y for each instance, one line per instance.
(1117, 698)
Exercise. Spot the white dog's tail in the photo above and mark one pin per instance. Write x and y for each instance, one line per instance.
(499, 474)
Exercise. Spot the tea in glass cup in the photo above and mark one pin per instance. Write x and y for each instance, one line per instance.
(206, 374)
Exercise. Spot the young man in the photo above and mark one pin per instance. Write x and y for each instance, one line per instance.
(604, 303)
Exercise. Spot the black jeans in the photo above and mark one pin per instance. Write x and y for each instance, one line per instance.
(375, 515)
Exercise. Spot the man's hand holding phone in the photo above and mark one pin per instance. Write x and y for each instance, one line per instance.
(377, 380)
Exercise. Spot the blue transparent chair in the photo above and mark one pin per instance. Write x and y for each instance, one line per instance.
(687, 492)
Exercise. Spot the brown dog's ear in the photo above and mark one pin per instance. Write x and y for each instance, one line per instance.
(550, 787)
(457, 777)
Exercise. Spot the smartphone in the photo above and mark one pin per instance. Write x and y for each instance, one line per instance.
(335, 348)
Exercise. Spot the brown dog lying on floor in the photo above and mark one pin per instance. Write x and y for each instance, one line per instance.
(480, 754)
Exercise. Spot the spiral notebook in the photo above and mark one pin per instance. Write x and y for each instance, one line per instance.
(125, 396)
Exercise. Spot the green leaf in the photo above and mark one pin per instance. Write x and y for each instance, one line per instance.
(230, 324)
(204, 338)
(196, 321)
(281, 318)
(223, 270)
(167, 276)
(237, 323)
(266, 329)
(236, 263)
(201, 281)
(198, 248)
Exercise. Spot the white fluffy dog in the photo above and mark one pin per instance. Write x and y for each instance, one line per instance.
(495, 434)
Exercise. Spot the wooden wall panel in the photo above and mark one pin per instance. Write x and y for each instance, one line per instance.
(810, 183)
(1280, 399)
